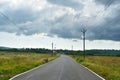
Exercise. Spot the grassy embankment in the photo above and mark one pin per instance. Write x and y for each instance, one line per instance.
(106, 66)
(12, 63)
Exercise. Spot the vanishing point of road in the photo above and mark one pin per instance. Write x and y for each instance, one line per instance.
(63, 68)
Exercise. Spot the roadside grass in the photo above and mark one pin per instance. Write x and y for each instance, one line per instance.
(12, 63)
(106, 66)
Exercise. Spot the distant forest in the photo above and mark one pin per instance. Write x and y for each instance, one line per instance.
(94, 52)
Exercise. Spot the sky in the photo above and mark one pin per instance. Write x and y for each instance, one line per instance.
(38, 23)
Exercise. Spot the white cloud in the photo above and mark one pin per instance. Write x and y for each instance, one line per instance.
(61, 18)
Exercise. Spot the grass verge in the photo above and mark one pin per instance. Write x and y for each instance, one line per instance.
(106, 66)
(13, 63)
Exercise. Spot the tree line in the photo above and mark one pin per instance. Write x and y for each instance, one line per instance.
(93, 52)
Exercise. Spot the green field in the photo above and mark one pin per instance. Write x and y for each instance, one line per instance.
(12, 63)
(106, 66)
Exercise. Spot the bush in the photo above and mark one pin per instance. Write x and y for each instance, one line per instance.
(45, 60)
(79, 59)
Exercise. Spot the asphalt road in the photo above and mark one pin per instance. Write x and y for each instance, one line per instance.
(63, 68)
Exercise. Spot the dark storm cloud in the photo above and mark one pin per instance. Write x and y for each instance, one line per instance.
(21, 15)
(107, 3)
(110, 30)
(59, 21)
(104, 1)
(68, 3)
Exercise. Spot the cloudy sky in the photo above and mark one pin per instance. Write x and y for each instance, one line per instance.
(38, 23)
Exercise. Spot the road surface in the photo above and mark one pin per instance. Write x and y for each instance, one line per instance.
(63, 68)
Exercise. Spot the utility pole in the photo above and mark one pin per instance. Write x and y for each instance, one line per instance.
(83, 30)
(52, 49)
(72, 48)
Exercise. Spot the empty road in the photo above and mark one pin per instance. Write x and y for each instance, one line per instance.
(63, 68)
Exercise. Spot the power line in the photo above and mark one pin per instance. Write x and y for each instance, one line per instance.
(108, 4)
(7, 18)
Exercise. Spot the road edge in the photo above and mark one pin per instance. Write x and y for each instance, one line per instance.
(90, 70)
(30, 70)
(93, 72)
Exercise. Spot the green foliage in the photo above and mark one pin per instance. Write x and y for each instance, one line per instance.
(79, 59)
(45, 60)
(34, 50)
(67, 52)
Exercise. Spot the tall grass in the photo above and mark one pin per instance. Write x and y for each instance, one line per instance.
(13, 63)
(106, 66)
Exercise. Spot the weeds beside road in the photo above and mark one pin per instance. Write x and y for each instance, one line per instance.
(106, 66)
(12, 63)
